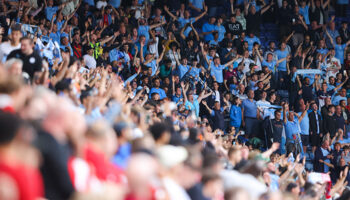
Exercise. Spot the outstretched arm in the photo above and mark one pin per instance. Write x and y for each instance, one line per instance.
(169, 13)
(230, 62)
(156, 25)
(201, 15)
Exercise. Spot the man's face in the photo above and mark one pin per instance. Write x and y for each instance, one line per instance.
(217, 106)
(269, 57)
(277, 115)
(343, 92)
(26, 47)
(65, 41)
(77, 38)
(216, 86)
(251, 94)
(16, 36)
(212, 20)
(233, 19)
(217, 61)
(314, 107)
(283, 45)
(15, 69)
(157, 83)
(178, 91)
(291, 116)
(187, 14)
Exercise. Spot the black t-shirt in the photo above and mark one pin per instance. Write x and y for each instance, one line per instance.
(308, 94)
(277, 128)
(234, 28)
(31, 63)
(253, 23)
(330, 125)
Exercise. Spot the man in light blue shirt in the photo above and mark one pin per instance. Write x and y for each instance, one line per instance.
(182, 67)
(338, 98)
(216, 69)
(292, 125)
(333, 33)
(304, 128)
(251, 39)
(143, 29)
(208, 29)
(158, 90)
(282, 53)
(250, 115)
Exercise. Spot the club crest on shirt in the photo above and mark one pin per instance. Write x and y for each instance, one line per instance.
(32, 60)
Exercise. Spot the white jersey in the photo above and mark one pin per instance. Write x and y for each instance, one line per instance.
(5, 50)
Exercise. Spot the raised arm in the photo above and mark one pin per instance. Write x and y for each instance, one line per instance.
(284, 113)
(169, 13)
(207, 107)
(182, 35)
(304, 113)
(246, 7)
(231, 61)
(289, 36)
(330, 38)
(303, 22)
(341, 84)
(156, 25)
(204, 53)
(196, 33)
(201, 15)
(325, 4)
(184, 91)
(161, 55)
(104, 41)
(204, 95)
(267, 7)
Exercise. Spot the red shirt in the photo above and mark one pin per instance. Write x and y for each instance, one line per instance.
(27, 179)
(104, 169)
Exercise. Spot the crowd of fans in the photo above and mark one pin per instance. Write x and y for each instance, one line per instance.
(174, 99)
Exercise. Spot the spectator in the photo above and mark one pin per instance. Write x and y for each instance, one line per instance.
(32, 62)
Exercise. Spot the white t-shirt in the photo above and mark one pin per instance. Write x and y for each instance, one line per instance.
(247, 62)
(332, 64)
(90, 61)
(5, 50)
(153, 48)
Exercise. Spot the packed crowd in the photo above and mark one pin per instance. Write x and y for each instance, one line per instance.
(174, 99)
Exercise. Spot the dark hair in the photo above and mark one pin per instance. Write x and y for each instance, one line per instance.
(27, 38)
(158, 129)
(10, 125)
(291, 186)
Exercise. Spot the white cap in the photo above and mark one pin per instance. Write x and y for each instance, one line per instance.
(170, 156)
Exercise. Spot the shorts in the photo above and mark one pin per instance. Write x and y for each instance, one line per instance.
(315, 140)
(305, 140)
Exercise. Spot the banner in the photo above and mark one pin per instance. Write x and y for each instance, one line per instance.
(309, 71)
(268, 105)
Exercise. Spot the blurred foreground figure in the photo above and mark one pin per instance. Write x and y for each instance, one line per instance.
(18, 161)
